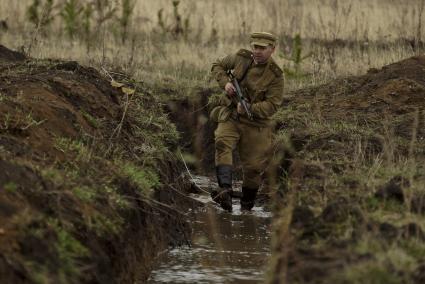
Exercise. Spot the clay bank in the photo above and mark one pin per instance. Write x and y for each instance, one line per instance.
(90, 190)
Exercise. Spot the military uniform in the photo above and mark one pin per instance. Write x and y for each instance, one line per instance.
(262, 85)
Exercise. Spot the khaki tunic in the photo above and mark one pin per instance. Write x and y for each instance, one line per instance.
(263, 88)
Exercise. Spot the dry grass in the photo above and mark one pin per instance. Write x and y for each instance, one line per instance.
(187, 64)
(152, 57)
(345, 19)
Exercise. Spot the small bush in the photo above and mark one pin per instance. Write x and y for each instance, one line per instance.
(127, 8)
(40, 13)
(296, 59)
(179, 27)
(71, 15)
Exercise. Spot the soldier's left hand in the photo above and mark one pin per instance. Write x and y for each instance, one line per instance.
(240, 108)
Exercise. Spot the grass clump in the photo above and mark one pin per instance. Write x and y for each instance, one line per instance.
(10, 187)
(389, 265)
(91, 120)
(85, 193)
(145, 179)
(69, 251)
(104, 225)
(58, 244)
(116, 199)
(74, 148)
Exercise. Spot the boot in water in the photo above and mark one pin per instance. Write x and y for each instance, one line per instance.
(248, 198)
(222, 196)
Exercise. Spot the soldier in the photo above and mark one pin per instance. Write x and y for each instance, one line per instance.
(261, 80)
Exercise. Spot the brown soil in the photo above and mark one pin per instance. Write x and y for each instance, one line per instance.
(388, 105)
(7, 55)
(51, 102)
(190, 114)
(395, 91)
(41, 102)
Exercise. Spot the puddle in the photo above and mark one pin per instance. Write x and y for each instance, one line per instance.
(226, 247)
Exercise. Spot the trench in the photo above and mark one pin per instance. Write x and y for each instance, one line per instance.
(225, 247)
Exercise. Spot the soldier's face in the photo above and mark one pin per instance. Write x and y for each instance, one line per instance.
(262, 53)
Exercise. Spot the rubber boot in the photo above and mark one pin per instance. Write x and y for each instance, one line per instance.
(223, 195)
(248, 198)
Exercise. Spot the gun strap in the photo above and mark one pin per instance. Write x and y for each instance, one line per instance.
(245, 71)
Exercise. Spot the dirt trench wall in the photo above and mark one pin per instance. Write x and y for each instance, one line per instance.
(87, 195)
(190, 114)
(357, 178)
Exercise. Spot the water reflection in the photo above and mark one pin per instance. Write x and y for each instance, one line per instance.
(227, 248)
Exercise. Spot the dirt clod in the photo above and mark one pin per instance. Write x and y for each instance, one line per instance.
(419, 274)
(418, 203)
(337, 211)
(412, 230)
(7, 55)
(302, 216)
(393, 189)
(388, 231)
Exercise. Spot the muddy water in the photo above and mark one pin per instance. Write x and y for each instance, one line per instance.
(226, 247)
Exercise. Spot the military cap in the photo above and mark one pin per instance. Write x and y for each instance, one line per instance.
(263, 39)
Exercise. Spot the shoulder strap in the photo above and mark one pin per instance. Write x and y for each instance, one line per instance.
(275, 69)
(244, 53)
(245, 70)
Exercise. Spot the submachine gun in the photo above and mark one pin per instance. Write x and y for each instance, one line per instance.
(239, 94)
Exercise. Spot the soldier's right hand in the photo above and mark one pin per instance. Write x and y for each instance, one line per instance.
(230, 89)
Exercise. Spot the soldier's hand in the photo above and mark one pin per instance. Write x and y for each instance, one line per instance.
(241, 109)
(230, 89)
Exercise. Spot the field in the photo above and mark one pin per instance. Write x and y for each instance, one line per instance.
(366, 34)
(350, 146)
